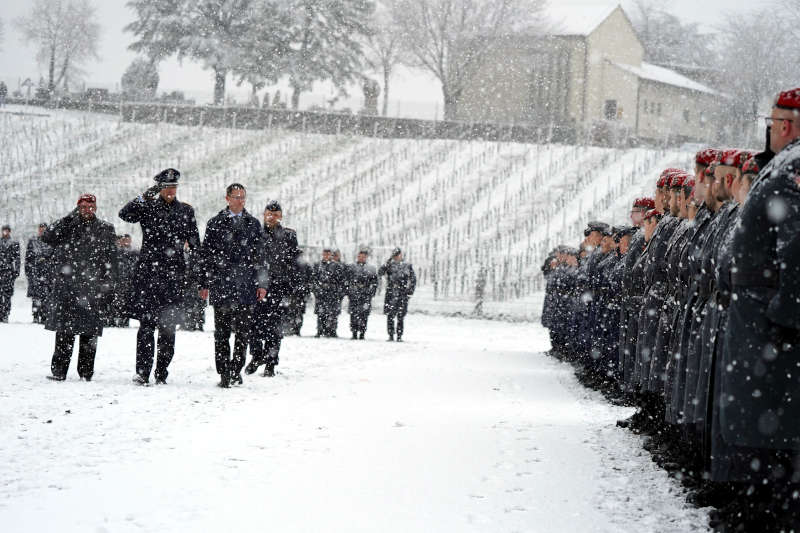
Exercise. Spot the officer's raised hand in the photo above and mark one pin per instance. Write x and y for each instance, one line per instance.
(152, 193)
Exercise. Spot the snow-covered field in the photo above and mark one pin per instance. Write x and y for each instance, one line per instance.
(467, 426)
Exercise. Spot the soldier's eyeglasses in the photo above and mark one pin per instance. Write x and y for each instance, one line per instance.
(769, 121)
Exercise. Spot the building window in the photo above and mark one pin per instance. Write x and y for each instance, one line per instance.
(611, 109)
(659, 109)
(686, 115)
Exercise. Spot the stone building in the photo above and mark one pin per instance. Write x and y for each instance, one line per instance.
(587, 72)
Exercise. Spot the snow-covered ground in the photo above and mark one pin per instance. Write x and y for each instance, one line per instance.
(467, 426)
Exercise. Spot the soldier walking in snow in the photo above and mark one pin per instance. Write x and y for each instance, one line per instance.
(85, 270)
(235, 273)
(9, 271)
(400, 284)
(39, 271)
(161, 275)
(362, 282)
(280, 255)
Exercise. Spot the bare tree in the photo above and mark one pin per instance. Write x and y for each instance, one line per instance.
(451, 37)
(384, 47)
(787, 9)
(65, 33)
(753, 55)
(666, 39)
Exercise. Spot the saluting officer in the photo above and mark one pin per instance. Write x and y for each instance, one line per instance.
(161, 274)
(400, 284)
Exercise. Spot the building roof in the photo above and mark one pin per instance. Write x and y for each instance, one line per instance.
(578, 19)
(648, 71)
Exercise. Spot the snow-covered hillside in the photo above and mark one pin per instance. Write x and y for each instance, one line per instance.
(457, 208)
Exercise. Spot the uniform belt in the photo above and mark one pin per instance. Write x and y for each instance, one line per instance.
(755, 278)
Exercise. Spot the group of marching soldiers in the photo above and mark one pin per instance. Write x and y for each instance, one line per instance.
(82, 278)
(693, 315)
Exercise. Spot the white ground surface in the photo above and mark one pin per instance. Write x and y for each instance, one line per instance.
(467, 426)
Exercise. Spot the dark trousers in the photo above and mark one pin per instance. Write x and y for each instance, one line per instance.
(359, 314)
(236, 320)
(267, 332)
(390, 324)
(293, 318)
(6, 292)
(145, 347)
(327, 323)
(87, 349)
(37, 308)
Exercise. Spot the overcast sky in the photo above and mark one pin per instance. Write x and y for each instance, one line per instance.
(412, 90)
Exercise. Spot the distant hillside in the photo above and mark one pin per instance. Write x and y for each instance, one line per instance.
(459, 209)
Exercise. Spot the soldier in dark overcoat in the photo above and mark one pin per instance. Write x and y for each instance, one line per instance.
(160, 279)
(39, 271)
(9, 270)
(631, 303)
(762, 337)
(362, 283)
(401, 281)
(85, 271)
(127, 257)
(280, 253)
(296, 308)
(328, 282)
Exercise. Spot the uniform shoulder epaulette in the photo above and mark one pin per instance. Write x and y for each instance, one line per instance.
(290, 229)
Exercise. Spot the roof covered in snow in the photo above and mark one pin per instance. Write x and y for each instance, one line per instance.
(652, 72)
(578, 19)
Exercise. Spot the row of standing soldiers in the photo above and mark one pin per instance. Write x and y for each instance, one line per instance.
(330, 281)
(693, 315)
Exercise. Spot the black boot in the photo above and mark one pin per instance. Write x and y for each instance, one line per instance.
(269, 371)
(251, 367)
(224, 381)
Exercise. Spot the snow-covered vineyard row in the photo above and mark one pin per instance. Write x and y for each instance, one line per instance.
(462, 210)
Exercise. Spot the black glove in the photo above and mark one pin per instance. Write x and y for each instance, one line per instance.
(151, 193)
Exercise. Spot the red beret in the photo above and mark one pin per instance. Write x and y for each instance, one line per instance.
(706, 157)
(678, 179)
(644, 203)
(88, 198)
(750, 166)
(666, 176)
(788, 99)
(734, 158)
